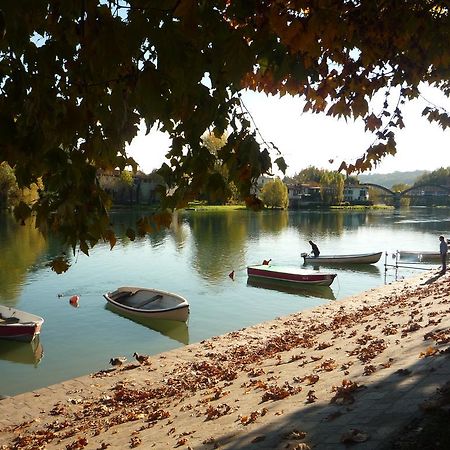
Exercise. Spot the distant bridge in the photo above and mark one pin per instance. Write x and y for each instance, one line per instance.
(397, 196)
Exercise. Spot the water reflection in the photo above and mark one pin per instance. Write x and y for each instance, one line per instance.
(20, 248)
(123, 220)
(180, 232)
(322, 223)
(22, 352)
(218, 240)
(365, 268)
(280, 286)
(333, 223)
(273, 222)
(173, 329)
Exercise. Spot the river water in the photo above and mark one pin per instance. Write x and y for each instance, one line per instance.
(193, 258)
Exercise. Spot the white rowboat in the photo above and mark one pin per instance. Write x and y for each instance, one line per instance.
(363, 258)
(149, 303)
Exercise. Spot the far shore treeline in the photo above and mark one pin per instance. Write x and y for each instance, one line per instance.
(326, 189)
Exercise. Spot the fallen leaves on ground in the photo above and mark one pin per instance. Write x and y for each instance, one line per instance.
(218, 362)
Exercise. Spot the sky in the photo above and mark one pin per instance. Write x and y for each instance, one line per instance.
(306, 139)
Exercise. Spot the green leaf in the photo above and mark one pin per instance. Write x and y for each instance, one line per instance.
(281, 163)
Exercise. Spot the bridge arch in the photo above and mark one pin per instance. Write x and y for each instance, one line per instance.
(379, 187)
(397, 196)
(419, 186)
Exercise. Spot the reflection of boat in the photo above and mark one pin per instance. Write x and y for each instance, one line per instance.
(421, 256)
(22, 352)
(173, 329)
(19, 325)
(150, 303)
(363, 258)
(291, 274)
(355, 268)
(289, 288)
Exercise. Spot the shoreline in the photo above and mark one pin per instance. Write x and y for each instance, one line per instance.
(355, 370)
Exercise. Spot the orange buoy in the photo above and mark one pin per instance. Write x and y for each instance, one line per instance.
(74, 301)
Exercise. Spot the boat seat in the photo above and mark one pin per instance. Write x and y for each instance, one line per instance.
(122, 294)
(9, 320)
(149, 300)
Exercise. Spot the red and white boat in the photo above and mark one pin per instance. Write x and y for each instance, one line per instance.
(19, 325)
(291, 274)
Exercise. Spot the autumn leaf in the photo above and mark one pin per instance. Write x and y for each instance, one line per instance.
(59, 265)
(111, 238)
(430, 351)
(373, 122)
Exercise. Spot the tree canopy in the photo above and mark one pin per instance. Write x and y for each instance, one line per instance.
(77, 77)
(440, 177)
(274, 194)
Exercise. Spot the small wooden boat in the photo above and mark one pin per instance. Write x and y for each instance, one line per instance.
(363, 258)
(291, 274)
(19, 325)
(149, 303)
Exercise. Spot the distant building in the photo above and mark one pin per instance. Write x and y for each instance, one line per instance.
(356, 194)
(260, 183)
(143, 189)
(303, 195)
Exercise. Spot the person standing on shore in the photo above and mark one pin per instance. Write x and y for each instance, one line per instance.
(443, 250)
(314, 249)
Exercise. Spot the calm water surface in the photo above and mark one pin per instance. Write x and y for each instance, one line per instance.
(194, 259)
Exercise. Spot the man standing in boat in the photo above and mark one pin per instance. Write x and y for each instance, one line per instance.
(314, 249)
(443, 250)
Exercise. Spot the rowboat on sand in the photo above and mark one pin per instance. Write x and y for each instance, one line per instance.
(19, 325)
(363, 258)
(149, 303)
(291, 274)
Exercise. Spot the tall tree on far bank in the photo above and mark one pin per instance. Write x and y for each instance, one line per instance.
(332, 187)
(439, 177)
(219, 189)
(274, 194)
(77, 78)
(8, 186)
(309, 175)
(10, 194)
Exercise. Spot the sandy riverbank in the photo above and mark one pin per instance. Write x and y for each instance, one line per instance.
(351, 370)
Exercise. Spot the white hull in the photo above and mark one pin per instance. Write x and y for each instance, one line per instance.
(149, 303)
(366, 258)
